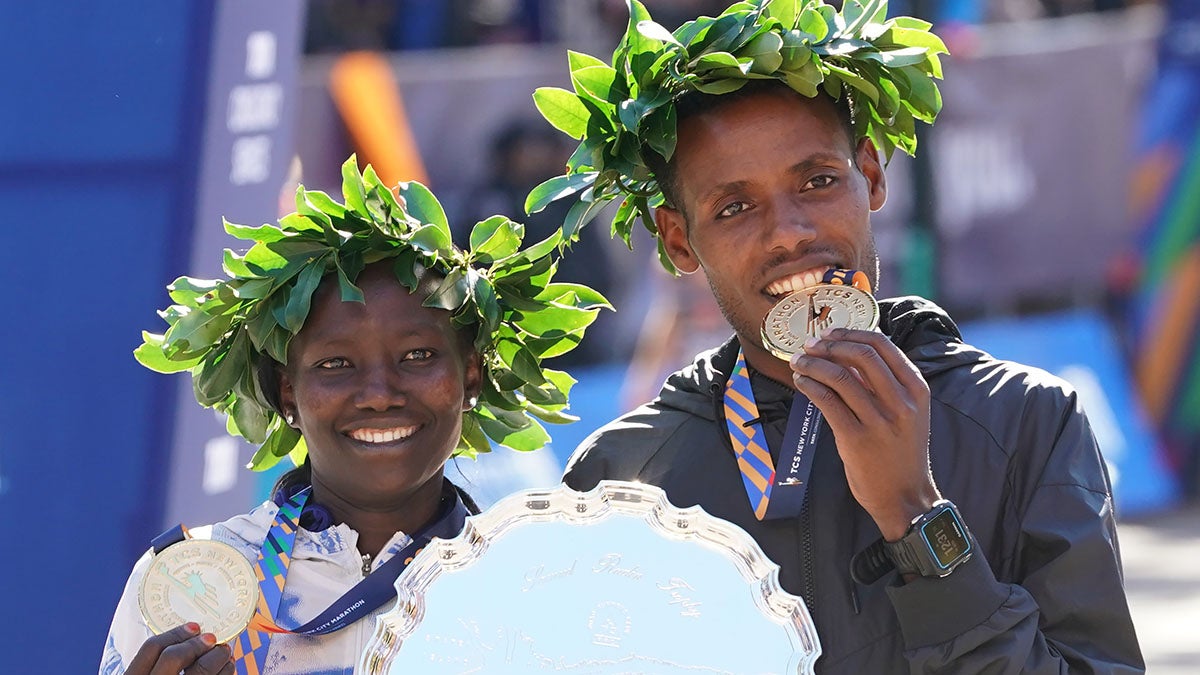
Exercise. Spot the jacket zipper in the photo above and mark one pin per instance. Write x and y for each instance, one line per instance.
(806, 538)
(366, 564)
(806, 552)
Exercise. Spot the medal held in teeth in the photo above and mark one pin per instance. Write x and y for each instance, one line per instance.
(208, 582)
(842, 300)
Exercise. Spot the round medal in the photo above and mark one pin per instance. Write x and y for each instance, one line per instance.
(208, 582)
(809, 312)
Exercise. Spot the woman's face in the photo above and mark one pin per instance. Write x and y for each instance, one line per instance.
(378, 391)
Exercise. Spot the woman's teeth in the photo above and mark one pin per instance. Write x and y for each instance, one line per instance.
(796, 282)
(382, 435)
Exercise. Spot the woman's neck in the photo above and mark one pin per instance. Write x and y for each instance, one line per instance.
(377, 523)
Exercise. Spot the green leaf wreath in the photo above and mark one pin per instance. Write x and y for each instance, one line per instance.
(885, 66)
(221, 329)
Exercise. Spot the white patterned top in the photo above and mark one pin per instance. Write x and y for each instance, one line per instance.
(324, 565)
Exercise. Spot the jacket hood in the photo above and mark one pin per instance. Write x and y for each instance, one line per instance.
(926, 333)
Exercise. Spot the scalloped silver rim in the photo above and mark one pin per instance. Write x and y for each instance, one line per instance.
(608, 499)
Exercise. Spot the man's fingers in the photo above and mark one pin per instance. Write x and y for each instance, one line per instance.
(152, 649)
(904, 370)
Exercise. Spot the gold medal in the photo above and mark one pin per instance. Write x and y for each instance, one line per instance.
(809, 312)
(200, 580)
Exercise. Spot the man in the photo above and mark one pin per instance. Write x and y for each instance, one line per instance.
(768, 190)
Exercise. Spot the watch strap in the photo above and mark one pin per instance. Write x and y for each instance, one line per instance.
(904, 553)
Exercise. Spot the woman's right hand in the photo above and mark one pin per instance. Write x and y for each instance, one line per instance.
(183, 649)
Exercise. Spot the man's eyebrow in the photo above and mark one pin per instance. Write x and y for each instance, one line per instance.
(817, 160)
(813, 161)
(724, 188)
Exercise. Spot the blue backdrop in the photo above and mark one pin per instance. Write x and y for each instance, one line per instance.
(102, 140)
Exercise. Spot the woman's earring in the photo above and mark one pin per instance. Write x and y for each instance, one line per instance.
(291, 419)
(473, 401)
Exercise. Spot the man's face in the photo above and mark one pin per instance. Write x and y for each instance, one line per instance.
(771, 194)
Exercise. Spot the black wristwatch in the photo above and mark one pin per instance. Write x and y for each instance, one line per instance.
(936, 543)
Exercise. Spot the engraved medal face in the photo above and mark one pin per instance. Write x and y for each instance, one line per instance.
(809, 312)
(199, 580)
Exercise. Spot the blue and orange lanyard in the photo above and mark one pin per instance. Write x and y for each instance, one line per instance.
(775, 490)
(250, 647)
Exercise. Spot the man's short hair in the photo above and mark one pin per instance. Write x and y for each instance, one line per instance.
(694, 103)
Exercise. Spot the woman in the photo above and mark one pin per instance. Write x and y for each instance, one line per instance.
(359, 341)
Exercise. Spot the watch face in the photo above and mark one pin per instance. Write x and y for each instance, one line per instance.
(945, 537)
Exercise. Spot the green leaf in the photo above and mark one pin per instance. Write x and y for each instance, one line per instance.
(484, 296)
(812, 22)
(261, 233)
(654, 31)
(722, 86)
(221, 369)
(575, 295)
(251, 289)
(562, 109)
(527, 439)
(898, 58)
(520, 360)
(150, 354)
(196, 329)
(923, 97)
(300, 297)
(346, 288)
(556, 188)
(764, 49)
(581, 213)
(900, 36)
(579, 60)
(600, 83)
(473, 440)
(421, 205)
(556, 317)
(282, 440)
(553, 343)
(550, 415)
(854, 80)
(713, 60)
(450, 293)
(659, 130)
(248, 420)
(784, 11)
(495, 238)
(188, 291)
(282, 259)
(353, 190)
(432, 239)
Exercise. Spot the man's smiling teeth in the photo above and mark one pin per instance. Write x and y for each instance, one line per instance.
(382, 435)
(796, 282)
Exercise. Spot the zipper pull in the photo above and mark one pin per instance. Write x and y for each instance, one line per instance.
(366, 568)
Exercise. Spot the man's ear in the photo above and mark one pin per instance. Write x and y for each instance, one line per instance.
(867, 158)
(672, 228)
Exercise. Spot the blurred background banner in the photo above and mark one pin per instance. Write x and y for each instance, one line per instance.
(244, 164)
(123, 126)
(1163, 276)
(1054, 211)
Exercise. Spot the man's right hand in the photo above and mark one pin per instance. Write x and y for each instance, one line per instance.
(183, 649)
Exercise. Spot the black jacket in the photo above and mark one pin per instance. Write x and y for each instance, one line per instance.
(1009, 444)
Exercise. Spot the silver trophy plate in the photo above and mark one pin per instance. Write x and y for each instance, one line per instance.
(615, 580)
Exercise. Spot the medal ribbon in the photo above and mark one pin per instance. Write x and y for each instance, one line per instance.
(250, 647)
(774, 491)
(777, 491)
